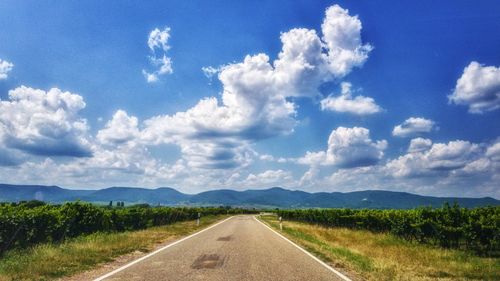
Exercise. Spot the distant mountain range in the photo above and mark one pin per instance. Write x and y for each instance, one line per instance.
(273, 197)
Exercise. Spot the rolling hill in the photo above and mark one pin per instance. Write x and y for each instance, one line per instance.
(273, 197)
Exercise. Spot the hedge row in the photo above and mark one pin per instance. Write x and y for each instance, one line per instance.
(476, 229)
(27, 224)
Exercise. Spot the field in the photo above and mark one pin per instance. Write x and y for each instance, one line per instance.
(383, 256)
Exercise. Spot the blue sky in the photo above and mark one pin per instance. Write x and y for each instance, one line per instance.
(301, 95)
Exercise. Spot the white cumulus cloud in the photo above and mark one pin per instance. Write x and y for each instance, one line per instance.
(438, 158)
(413, 126)
(347, 148)
(353, 147)
(493, 152)
(44, 122)
(120, 129)
(478, 88)
(359, 105)
(419, 145)
(342, 35)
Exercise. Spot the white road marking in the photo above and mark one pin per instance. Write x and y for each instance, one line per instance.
(157, 251)
(306, 252)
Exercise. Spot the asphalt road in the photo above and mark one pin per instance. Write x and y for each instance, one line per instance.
(240, 248)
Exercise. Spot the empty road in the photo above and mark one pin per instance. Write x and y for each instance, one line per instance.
(240, 248)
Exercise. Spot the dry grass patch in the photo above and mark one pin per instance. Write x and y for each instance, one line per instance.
(50, 261)
(379, 256)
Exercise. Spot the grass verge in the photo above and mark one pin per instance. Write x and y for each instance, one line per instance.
(52, 261)
(379, 256)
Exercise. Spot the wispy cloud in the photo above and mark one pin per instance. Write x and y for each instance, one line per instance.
(159, 45)
(5, 68)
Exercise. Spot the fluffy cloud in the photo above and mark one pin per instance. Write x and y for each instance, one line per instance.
(350, 150)
(122, 165)
(359, 105)
(478, 88)
(353, 147)
(158, 39)
(306, 60)
(347, 148)
(158, 44)
(419, 145)
(456, 167)
(413, 126)
(44, 123)
(120, 129)
(217, 154)
(436, 159)
(493, 152)
(215, 136)
(301, 65)
(269, 178)
(5, 68)
(342, 35)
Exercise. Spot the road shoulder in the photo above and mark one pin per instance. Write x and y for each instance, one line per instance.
(340, 271)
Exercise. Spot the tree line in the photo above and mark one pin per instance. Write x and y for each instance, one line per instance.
(476, 230)
(33, 222)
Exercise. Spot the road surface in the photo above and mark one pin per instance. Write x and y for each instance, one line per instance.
(240, 248)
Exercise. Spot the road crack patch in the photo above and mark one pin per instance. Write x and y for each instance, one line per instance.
(225, 238)
(209, 261)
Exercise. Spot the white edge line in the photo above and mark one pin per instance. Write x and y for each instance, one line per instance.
(306, 252)
(157, 251)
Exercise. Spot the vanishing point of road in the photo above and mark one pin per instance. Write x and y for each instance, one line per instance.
(239, 248)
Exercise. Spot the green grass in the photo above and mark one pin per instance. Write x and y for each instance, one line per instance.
(379, 256)
(52, 261)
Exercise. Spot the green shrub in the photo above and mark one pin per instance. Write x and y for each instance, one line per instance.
(29, 223)
(476, 230)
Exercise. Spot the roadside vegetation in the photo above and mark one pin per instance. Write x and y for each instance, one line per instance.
(369, 255)
(476, 230)
(30, 223)
(50, 261)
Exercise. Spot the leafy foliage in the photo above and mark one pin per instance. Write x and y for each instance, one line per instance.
(28, 223)
(476, 229)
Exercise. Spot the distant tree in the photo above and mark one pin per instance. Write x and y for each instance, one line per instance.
(32, 203)
(142, 205)
(111, 203)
